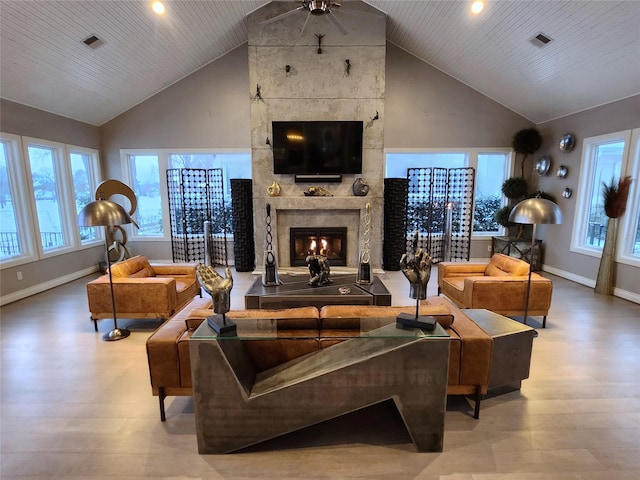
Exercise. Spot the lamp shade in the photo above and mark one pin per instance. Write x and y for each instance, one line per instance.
(102, 213)
(536, 211)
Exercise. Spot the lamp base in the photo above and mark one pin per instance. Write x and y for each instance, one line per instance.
(116, 334)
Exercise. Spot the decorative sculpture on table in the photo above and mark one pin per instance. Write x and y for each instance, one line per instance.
(360, 188)
(319, 270)
(364, 265)
(270, 273)
(416, 267)
(220, 290)
(318, 192)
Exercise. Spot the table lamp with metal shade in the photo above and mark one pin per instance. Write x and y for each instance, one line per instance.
(104, 213)
(534, 211)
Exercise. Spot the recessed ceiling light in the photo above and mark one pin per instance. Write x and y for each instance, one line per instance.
(477, 7)
(158, 7)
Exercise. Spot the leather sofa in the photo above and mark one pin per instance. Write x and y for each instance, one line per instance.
(168, 347)
(499, 286)
(142, 290)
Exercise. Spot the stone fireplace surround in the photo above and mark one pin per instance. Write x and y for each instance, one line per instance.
(288, 212)
(317, 87)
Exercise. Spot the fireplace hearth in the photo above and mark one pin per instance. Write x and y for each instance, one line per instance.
(330, 242)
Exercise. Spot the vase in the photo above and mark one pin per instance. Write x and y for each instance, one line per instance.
(604, 281)
(360, 188)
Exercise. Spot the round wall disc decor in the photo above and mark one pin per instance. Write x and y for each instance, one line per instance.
(562, 172)
(542, 165)
(567, 142)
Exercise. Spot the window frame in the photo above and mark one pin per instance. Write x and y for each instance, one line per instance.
(16, 172)
(586, 189)
(63, 192)
(22, 190)
(94, 178)
(629, 220)
(471, 155)
(163, 155)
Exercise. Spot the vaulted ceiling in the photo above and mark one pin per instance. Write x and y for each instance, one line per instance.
(592, 59)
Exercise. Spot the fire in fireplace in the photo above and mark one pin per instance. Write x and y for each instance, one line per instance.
(330, 242)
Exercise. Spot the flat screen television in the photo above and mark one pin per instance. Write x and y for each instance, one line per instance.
(316, 148)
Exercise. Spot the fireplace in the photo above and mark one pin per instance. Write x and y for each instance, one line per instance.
(330, 242)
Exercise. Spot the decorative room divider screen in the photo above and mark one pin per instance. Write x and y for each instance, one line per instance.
(433, 191)
(197, 195)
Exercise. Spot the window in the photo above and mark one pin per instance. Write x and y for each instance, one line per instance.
(145, 182)
(629, 230)
(40, 198)
(16, 245)
(85, 179)
(492, 168)
(606, 158)
(145, 171)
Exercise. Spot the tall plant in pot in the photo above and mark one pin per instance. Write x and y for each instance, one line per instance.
(615, 203)
(525, 142)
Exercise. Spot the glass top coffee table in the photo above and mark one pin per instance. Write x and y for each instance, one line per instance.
(236, 405)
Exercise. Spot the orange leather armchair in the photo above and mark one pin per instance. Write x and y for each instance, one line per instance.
(142, 290)
(499, 286)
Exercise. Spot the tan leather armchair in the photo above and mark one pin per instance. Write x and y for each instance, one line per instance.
(142, 290)
(499, 286)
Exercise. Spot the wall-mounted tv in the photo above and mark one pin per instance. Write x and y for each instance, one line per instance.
(317, 147)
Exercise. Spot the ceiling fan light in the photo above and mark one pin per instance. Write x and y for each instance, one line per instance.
(318, 7)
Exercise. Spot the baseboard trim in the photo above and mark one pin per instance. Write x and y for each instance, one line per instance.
(589, 282)
(41, 287)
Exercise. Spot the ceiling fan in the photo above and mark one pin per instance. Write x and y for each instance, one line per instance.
(313, 7)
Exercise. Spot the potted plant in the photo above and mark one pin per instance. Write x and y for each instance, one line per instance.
(526, 142)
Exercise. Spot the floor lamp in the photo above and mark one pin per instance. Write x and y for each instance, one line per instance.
(104, 213)
(534, 211)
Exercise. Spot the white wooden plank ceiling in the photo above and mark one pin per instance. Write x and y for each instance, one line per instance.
(593, 59)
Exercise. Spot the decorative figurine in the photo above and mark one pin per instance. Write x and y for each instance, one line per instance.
(360, 188)
(319, 270)
(318, 192)
(364, 264)
(270, 273)
(416, 267)
(220, 290)
(274, 189)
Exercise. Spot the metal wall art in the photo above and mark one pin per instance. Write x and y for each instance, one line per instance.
(562, 172)
(567, 142)
(543, 165)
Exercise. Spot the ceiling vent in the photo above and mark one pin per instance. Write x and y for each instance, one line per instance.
(92, 41)
(541, 40)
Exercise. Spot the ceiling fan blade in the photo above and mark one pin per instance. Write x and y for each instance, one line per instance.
(305, 23)
(281, 16)
(333, 19)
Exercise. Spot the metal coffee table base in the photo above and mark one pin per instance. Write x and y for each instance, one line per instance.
(235, 408)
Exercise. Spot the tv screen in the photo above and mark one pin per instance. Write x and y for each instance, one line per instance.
(332, 147)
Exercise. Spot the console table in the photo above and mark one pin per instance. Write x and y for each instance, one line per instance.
(236, 407)
(295, 291)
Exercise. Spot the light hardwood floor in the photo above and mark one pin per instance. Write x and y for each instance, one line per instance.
(76, 407)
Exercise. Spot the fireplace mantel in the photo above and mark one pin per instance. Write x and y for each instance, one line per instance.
(304, 211)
